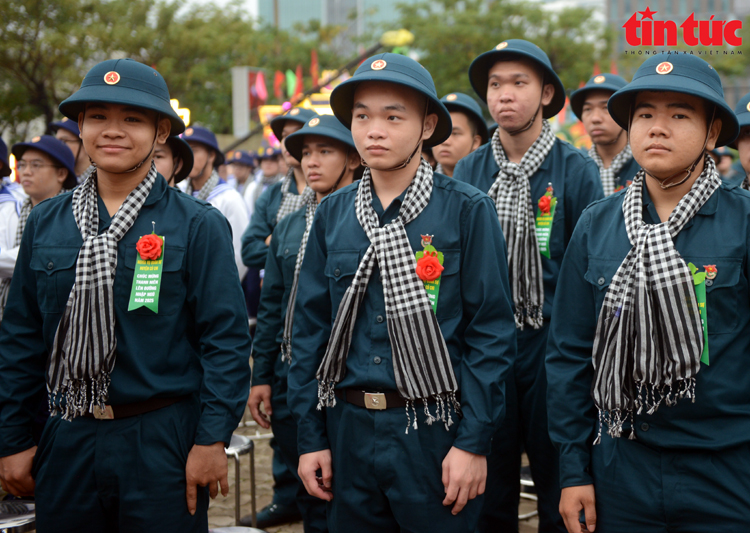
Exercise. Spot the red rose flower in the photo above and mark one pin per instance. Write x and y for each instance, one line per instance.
(545, 204)
(149, 247)
(428, 267)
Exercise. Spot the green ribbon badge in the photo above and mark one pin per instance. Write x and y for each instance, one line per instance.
(545, 214)
(699, 280)
(147, 275)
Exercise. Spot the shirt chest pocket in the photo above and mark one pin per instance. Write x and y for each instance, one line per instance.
(339, 271)
(287, 256)
(172, 290)
(599, 275)
(723, 303)
(449, 295)
(55, 271)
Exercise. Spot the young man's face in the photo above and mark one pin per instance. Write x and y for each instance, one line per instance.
(269, 166)
(203, 159)
(240, 171)
(42, 182)
(463, 140)
(387, 122)
(668, 130)
(724, 164)
(290, 126)
(118, 137)
(743, 147)
(595, 117)
(323, 162)
(75, 144)
(164, 160)
(514, 92)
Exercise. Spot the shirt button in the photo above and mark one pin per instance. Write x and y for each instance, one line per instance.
(709, 282)
(376, 360)
(337, 272)
(644, 426)
(379, 319)
(50, 265)
(601, 281)
(286, 252)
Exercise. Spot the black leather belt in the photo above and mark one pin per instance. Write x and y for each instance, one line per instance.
(116, 412)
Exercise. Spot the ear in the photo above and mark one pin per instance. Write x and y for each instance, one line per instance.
(211, 157)
(713, 134)
(430, 123)
(177, 167)
(80, 123)
(353, 161)
(548, 92)
(62, 175)
(163, 129)
(476, 143)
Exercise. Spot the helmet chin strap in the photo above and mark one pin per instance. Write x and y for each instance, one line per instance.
(343, 173)
(665, 183)
(531, 122)
(613, 141)
(413, 153)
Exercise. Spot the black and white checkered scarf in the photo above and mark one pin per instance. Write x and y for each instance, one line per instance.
(609, 175)
(649, 337)
(84, 349)
(746, 183)
(286, 344)
(23, 216)
(511, 193)
(207, 188)
(290, 202)
(421, 362)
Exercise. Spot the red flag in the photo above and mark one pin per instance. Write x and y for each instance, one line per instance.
(260, 87)
(613, 66)
(278, 83)
(581, 84)
(314, 66)
(597, 70)
(299, 88)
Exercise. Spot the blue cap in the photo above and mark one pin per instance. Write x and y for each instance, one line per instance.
(742, 111)
(678, 73)
(601, 82)
(54, 148)
(299, 115)
(325, 126)
(181, 149)
(467, 105)
(5, 171)
(241, 157)
(400, 70)
(125, 82)
(206, 137)
(268, 152)
(517, 50)
(66, 124)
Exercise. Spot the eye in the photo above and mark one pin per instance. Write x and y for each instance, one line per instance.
(680, 116)
(360, 116)
(133, 119)
(494, 84)
(97, 116)
(644, 115)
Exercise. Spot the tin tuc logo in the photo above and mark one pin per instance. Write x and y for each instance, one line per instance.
(694, 32)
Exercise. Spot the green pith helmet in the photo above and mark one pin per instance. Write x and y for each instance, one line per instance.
(124, 82)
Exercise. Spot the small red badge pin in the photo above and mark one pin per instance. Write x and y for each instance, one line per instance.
(426, 240)
(710, 271)
(111, 77)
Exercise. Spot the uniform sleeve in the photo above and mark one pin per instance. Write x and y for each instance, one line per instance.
(265, 347)
(490, 334)
(23, 355)
(236, 214)
(254, 248)
(312, 328)
(215, 297)
(584, 187)
(570, 373)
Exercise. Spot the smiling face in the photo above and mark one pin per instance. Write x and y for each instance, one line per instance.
(668, 130)
(514, 91)
(464, 139)
(118, 137)
(596, 119)
(42, 177)
(388, 121)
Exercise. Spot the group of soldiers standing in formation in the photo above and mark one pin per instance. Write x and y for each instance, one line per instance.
(420, 325)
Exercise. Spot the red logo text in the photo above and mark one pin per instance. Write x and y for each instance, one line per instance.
(694, 32)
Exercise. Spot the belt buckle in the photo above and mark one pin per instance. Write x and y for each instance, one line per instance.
(104, 414)
(375, 400)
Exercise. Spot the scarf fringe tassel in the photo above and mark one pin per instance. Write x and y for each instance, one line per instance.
(79, 397)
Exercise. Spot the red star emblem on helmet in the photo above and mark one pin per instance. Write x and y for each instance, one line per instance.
(111, 77)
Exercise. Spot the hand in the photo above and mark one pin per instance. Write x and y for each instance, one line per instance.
(15, 473)
(572, 500)
(309, 464)
(268, 240)
(206, 465)
(464, 477)
(260, 394)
